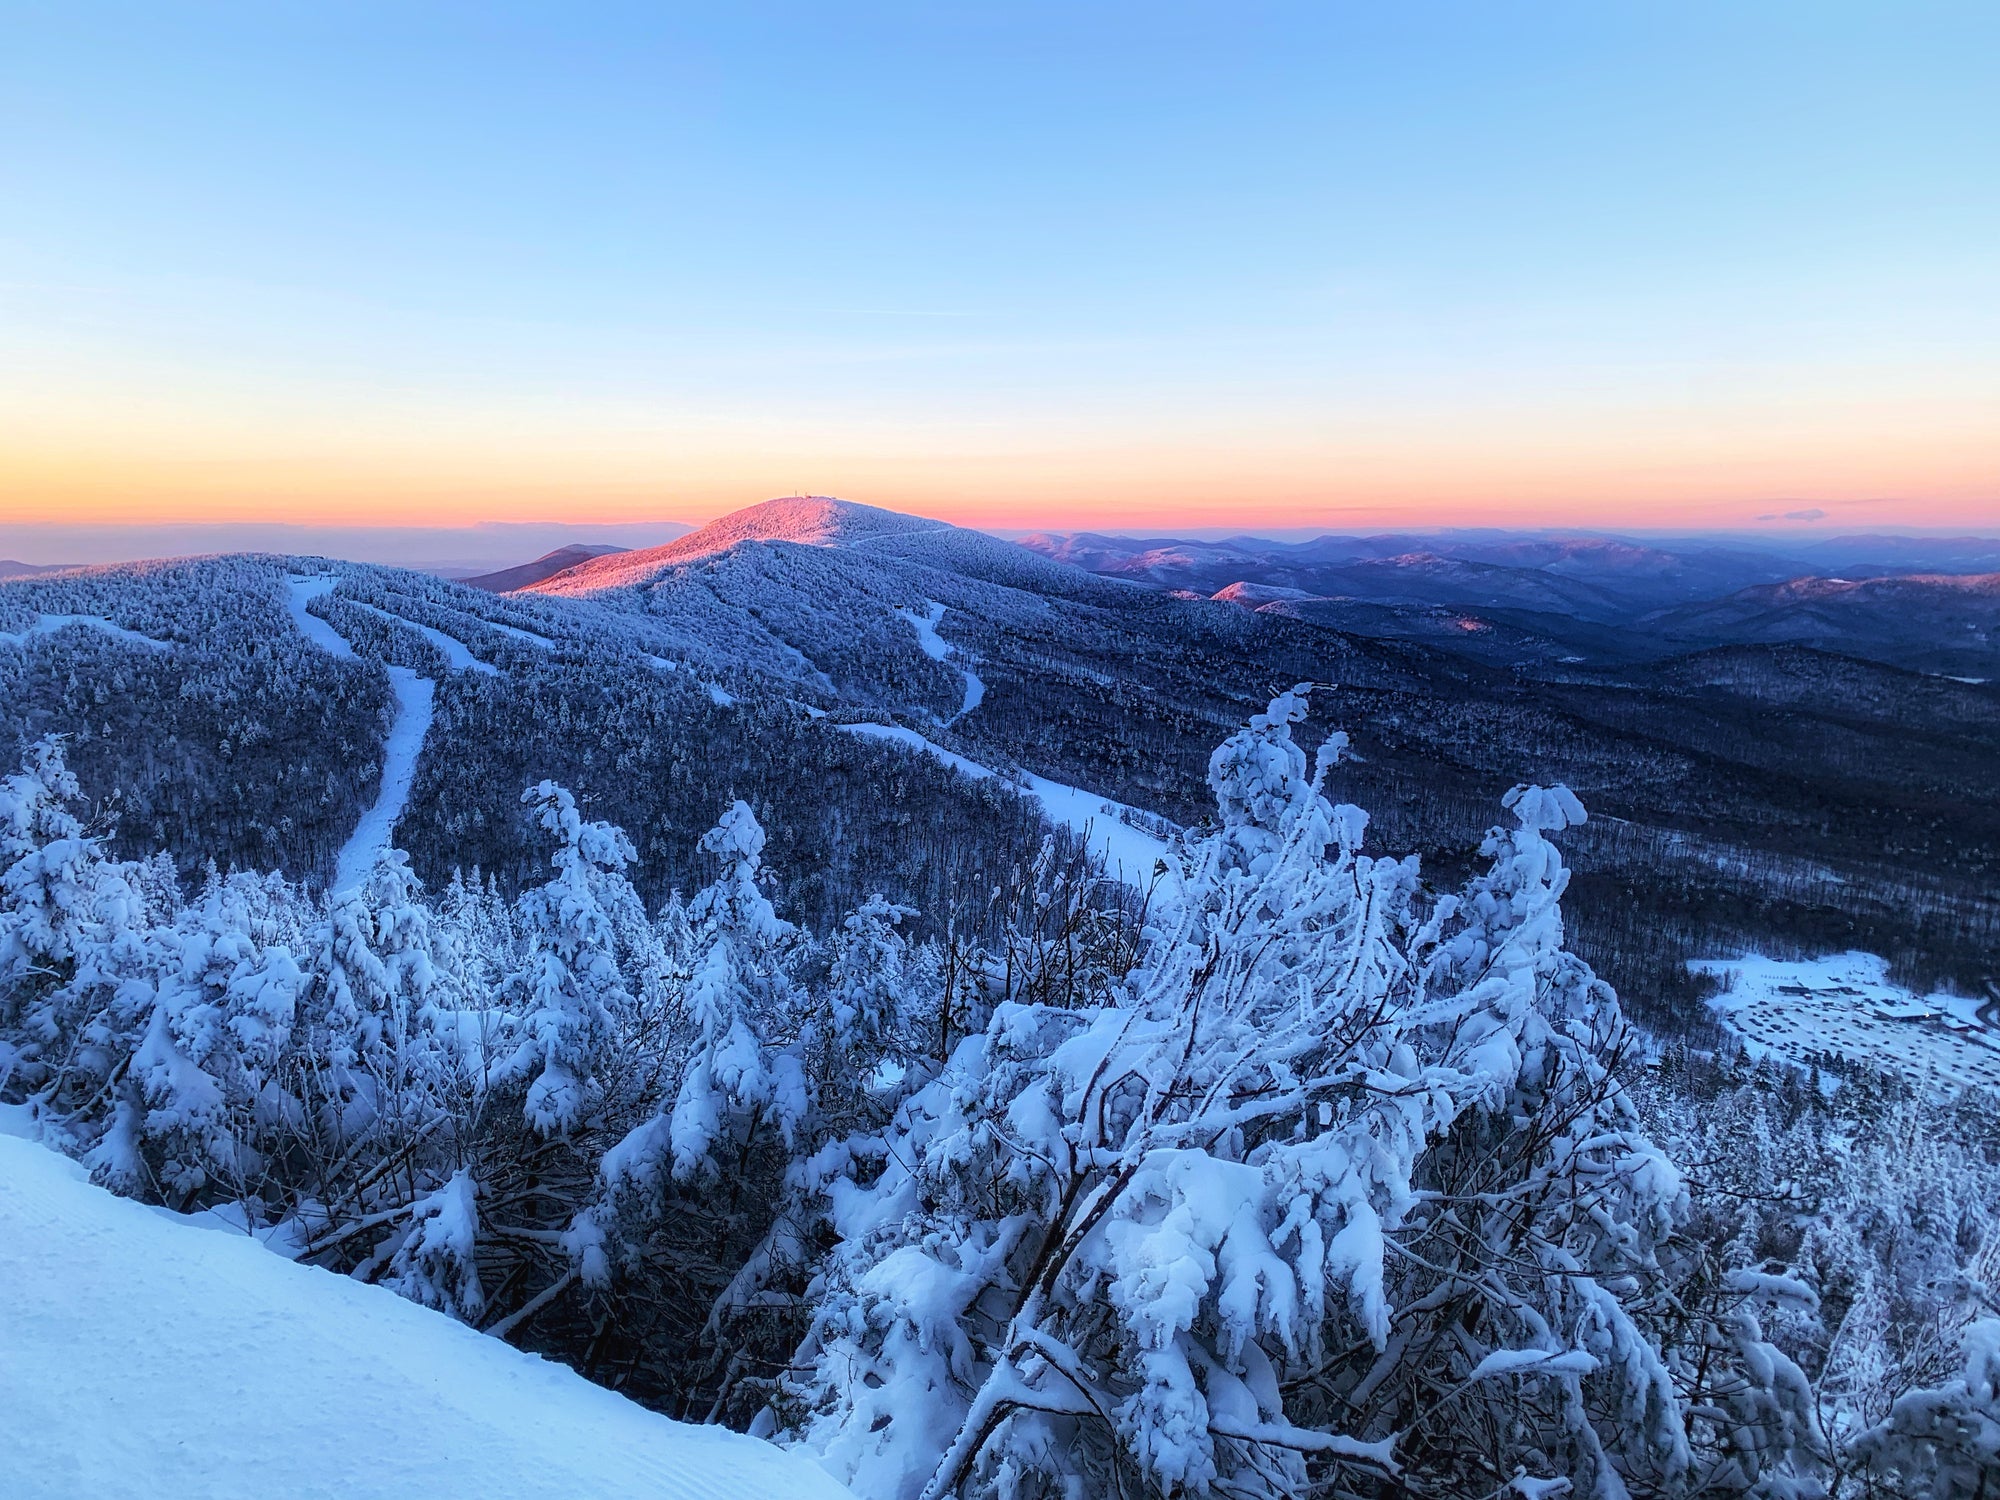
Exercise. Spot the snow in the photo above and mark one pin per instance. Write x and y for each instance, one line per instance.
(50, 624)
(932, 644)
(143, 1356)
(518, 633)
(301, 591)
(415, 701)
(1128, 853)
(720, 696)
(455, 651)
(1534, 1362)
(909, 739)
(937, 648)
(1846, 1003)
(415, 698)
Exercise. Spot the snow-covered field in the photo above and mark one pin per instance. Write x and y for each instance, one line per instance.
(142, 1355)
(1795, 1008)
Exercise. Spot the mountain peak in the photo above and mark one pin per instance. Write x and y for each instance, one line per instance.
(805, 520)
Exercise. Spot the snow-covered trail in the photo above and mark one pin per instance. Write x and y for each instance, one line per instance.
(301, 591)
(455, 651)
(416, 704)
(50, 624)
(937, 648)
(1129, 854)
(143, 1356)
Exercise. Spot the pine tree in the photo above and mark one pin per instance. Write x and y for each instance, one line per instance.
(570, 991)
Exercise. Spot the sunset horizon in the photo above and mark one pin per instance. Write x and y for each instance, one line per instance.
(1022, 267)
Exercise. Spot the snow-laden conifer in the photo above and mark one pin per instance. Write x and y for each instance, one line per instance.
(1165, 1244)
(570, 991)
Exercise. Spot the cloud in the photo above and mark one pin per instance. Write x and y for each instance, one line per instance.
(1811, 513)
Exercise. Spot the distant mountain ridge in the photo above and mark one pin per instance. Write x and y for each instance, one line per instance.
(546, 566)
(1912, 601)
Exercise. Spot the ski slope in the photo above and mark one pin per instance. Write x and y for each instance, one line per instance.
(456, 652)
(301, 591)
(143, 1357)
(416, 703)
(937, 648)
(1129, 854)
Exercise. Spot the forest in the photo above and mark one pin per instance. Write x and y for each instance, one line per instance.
(1294, 1173)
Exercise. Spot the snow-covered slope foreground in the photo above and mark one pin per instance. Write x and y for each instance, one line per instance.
(1846, 1009)
(145, 1357)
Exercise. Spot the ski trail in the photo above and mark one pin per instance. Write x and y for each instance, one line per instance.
(1128, 854)
(455, 651)
(416, 704)
(937, 648)
(301, 591)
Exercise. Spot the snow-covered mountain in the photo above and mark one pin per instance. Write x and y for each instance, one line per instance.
(868, 983)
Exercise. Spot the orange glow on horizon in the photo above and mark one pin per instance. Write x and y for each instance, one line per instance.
(1907, 462)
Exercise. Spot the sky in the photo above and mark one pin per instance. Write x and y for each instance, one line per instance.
(1330, 265)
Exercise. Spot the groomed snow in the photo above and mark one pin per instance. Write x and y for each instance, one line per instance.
(937, 648)
(1128, 853)
(50, 624)
(1847, 1004)
(144, 1357)
(301, 591)
(518, 633)
(415, 704)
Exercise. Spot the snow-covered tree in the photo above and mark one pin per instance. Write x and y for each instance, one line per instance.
(736, 1077)
(738, 1000)
(381, 1037)
(73, 925)
(218, 1012)
(1185, 1242)
(436, 1262)
(1944, 1440)
(570, 991)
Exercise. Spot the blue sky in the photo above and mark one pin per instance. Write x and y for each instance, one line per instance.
(1669, 263)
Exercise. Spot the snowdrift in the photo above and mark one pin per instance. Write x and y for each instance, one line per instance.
(146, 1356)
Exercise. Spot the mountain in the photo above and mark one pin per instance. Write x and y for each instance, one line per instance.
(1903, 554)
(546, 566)
(1948, 623)
(818, 521)
(663, 682)
(695, 966)
(1592, 577)
(9, 569)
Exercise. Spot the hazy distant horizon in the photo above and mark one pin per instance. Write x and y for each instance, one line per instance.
(494, 544)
